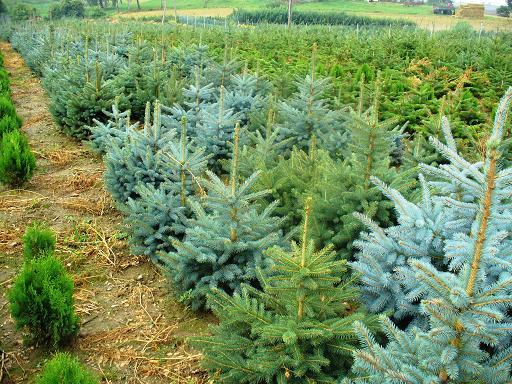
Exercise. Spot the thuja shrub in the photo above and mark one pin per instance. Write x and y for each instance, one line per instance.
(39, 240)
(65, 369)
(9, 123)
(6, 106)
(41, 302)
(17, 162)
(4, 83)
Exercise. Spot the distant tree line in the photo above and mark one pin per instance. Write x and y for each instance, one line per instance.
(505, 10)
(111, 3)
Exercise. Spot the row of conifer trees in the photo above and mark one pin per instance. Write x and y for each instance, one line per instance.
(41, 297)
(17, 162)
(215, 185)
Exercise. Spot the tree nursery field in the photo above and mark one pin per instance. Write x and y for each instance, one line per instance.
(247, 204)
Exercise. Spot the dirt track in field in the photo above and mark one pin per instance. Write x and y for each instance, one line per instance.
(133, 330)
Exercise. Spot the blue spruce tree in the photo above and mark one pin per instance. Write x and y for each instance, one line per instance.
(214, 128)
(140, 158)
(196, 97)
(222, 244)
(112, 133)
(159, 214)
(245, 96)
(457, 274)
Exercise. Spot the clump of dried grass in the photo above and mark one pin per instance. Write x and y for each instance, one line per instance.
(98, 205)
(81, 180)
(20, 200)
(61, 157)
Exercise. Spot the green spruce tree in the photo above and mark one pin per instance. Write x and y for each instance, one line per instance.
(296, 329)
(348, 187)
(294, 179)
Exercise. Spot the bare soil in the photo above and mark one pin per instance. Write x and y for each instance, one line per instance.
(133, 330)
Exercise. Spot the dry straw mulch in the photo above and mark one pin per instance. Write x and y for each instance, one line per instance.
(133, 330)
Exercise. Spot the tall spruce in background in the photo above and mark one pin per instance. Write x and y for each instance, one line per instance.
(223, 243)
(88, 104)
(293, 179)
(3, 8)
(195, 97)
(220, 74)
(80, 94)
(214, 129)
(263, 151)
(246, 96)
(453, 257)
(339, 187)
(296, 329)
(348, 187)
(307, 114)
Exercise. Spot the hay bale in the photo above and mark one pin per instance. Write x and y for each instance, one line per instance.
(471, 11)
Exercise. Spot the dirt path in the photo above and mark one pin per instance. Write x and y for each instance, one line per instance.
(133, 330)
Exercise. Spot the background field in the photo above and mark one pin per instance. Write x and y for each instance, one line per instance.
(422, 15)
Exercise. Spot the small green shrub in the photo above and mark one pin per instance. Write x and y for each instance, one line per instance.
(39, 240)
(9, 124)
(96, 13)
(67, 8)
(4, 81)
(6, 106)
(41, 301)
(65, 369)
(17, 162)
(23, 12)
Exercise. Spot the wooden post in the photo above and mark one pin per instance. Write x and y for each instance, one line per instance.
(289, 13)
(164, 4)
